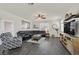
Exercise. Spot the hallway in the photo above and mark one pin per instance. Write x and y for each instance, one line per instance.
(46, 47)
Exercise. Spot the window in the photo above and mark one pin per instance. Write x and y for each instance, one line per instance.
(62, 26)
(44, 25)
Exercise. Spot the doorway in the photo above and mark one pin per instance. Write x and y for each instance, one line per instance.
(8, 26)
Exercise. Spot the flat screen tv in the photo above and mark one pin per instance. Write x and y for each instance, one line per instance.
(69, 27)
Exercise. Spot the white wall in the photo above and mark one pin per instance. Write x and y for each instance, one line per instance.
(5, 16)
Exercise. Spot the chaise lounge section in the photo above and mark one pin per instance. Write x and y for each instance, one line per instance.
(10, 42)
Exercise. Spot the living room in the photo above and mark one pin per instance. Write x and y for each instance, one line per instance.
(37, 29)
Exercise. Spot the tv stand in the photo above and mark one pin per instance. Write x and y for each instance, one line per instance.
(70, 43)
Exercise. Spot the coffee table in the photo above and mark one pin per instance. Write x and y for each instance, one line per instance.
(35, 38)
(42, 40)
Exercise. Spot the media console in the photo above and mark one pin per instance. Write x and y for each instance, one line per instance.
(70, 43)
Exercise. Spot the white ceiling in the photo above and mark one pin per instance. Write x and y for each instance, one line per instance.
(29, 12)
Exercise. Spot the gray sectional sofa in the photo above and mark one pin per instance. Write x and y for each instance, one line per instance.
(28, 34)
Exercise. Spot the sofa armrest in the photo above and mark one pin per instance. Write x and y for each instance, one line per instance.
(1, 41)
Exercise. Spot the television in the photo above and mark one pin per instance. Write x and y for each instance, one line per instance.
(69, 27)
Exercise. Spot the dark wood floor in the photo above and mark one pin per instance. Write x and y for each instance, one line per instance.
(46, 47)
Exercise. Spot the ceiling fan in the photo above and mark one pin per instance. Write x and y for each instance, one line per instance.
(41, 16)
